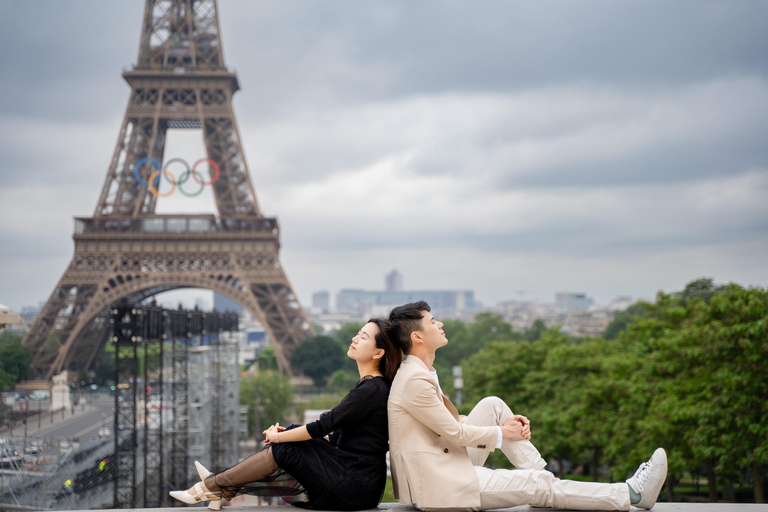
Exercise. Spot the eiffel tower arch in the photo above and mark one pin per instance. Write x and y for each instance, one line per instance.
(126, 250)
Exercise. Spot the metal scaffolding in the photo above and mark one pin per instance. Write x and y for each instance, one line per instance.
(199, 353)
(179, 407)
(126, 336)
(154, 492)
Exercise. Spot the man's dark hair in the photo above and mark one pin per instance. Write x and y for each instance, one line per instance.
(404, 320)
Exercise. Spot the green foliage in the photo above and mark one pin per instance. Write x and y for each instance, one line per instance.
(6, 380)
(8, 337)
(703, 288)
(318, 357)
(464, 340)
(270, 395)
(105, 371)
(687, 373)
(622, 319)
(14, 360)
(267, 359)
(343, 336)
(343, 380)
(320, 401)
(535, 331)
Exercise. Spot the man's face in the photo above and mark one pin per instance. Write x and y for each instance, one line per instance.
(432, 331)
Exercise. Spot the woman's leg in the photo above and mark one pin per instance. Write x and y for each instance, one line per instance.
(257, 466)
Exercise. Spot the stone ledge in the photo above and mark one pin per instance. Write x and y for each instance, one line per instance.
(397, 507)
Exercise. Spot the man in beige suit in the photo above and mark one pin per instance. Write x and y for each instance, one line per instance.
(437, 456)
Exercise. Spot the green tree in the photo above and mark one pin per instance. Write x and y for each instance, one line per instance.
(270, 396)
(343, 336)
(535, 331)
(699, 387)
(267, 359)
(687, 374)
(318, 357)
(465, 339)
(703, 288)
(623, 318)
(343, 380)
(14, 360)
(9, 337)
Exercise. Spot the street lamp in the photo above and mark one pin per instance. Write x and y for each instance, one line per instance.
(458, 383)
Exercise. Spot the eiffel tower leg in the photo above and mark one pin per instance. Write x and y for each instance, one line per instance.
(282, 317)
(61, 320)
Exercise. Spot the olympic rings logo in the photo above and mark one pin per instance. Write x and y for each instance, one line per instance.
(154, 179)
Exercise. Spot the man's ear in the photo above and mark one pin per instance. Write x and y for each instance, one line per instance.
(416, 337)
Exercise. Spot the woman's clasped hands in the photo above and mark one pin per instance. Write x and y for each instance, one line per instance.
(273, 433)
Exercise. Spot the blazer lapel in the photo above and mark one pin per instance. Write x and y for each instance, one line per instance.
(451, 408)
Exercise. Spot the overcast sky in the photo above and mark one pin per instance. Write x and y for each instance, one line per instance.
(516, 149)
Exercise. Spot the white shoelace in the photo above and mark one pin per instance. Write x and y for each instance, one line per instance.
(642, 475)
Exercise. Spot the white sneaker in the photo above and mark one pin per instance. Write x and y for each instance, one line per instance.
(649, 479)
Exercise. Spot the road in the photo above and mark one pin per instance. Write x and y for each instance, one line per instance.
(85, 422)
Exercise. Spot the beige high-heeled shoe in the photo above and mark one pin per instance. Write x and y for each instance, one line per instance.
(203, 473)
(198, 493)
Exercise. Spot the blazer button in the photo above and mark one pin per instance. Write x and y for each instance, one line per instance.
(446, 450)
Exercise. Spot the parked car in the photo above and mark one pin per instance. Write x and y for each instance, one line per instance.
(34, 447)
(104, 432)
(39, 395)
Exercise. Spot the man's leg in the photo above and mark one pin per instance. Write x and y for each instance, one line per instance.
(502, 488)
(493, 411)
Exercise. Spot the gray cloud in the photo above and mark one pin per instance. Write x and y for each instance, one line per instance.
(612, 148)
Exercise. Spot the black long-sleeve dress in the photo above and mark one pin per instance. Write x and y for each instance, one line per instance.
(347, 472)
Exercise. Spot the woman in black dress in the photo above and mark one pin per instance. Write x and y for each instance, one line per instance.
(335, 463)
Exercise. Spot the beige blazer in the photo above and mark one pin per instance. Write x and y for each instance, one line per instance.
(427, 440)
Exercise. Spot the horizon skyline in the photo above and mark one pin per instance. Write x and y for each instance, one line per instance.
(190, 297)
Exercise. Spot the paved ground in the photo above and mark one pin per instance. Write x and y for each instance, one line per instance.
(396, 507)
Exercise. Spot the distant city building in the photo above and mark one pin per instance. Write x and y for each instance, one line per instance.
(6, 317)
(31, 312)
(580, 322)
(225, 304)
(620, 303)
(321, 301)
(569, 314)
(573, 300)
(394, 282)
(330, 322)
(522, 314)
(379, 302)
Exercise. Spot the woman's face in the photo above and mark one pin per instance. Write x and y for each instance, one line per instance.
(363, 346)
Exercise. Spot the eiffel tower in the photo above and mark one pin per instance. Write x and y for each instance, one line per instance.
(126, 250)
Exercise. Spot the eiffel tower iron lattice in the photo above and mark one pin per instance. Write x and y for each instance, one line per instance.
(126, 250)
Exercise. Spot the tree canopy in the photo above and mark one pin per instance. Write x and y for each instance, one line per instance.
(14, 360)
(318, 357)
(268, 395)
(688, 373)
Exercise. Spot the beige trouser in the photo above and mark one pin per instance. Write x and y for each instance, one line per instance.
(529, 484)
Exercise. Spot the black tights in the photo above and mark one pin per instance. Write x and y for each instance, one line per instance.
(256, 467)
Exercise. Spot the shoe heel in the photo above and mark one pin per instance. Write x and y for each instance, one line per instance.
(215, 504)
